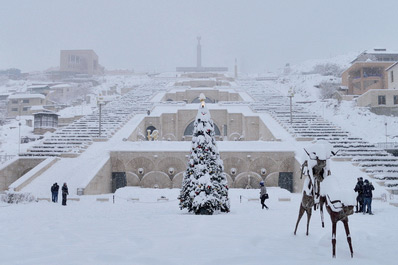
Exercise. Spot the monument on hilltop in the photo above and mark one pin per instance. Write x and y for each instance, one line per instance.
(199, 67)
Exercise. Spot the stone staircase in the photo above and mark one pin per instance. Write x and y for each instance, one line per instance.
(376, 162)
(73, 139)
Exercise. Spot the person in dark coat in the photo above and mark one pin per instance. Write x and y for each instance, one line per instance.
(53, 193)
(367, 197)
(56, 190)
(359, 188)
(263, 194)
(65, 193)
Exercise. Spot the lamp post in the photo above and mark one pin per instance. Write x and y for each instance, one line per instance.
(100, 102)
(19, 126)
(386, 132)
(291, 95)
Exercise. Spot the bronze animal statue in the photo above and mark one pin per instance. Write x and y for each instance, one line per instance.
(316, 169)
(307, 202)
(338, 212)
(311, 191)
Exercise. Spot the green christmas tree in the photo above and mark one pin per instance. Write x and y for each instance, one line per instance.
(204, 186)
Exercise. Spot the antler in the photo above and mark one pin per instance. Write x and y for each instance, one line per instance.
(309, 154)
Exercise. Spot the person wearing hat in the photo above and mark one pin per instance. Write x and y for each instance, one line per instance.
(263, 195)
(367, 197)
(359, 188)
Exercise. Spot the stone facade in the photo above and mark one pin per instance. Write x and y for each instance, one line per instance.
(232, 126)
(14, 169)
(166, 169)
(192, 95)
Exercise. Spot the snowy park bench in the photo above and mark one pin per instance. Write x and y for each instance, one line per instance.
(253, 199)
(102, 199)
(163, 198)
(284, 199)
(133, 199)
(74, 199)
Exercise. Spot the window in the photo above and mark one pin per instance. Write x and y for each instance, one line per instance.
(25, 101)
(14, 101)
(392, 76)
(382, 100)
(396, 100)
(25, 109)
(14, 109)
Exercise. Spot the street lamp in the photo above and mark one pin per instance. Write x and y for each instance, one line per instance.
(386, 132)
(291, 95)
(19, 126)
(100, 102)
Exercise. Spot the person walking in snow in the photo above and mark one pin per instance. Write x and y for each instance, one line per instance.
(56, 190)
(359, 188)
(367, 197)
(65, 193)
(263, 194)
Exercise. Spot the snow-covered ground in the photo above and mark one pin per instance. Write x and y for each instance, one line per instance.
(157, 232)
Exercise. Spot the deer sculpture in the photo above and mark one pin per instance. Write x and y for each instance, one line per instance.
(316, 169)
(338, 211)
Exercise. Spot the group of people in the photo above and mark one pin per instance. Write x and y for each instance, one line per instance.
(364, 198)
(55, 190)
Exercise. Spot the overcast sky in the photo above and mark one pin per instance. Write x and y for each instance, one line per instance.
(159, 35)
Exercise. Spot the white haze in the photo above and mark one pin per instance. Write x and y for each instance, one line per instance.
(160, 35)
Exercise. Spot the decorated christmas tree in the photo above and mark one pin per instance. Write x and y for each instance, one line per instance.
(204, 186)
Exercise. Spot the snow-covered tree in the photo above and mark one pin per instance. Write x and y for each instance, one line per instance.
(204, 186)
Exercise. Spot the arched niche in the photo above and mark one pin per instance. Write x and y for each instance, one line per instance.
(156, 179)
(177, 180)
(132, 179)
(248, 180)
(140, 166)
(237, 164)
(151, 129)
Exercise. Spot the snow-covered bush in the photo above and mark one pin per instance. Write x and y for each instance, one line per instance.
(328, 69)
(17, 197)
(327, 89)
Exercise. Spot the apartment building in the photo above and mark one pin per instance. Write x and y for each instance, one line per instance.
(80, 62)
(24, 104)
(368, 71)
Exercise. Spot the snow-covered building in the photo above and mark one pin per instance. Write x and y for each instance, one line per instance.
(368, 71)
(45, 121)
(21, 104)
(392, 80)
(80, 62)
(380, 101)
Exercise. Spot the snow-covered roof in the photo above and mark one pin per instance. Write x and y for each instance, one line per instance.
(38, 107)
(61, 86)
(19, 96)
(45, 112)
(392, 66)
(380, 51)
(37, 86)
